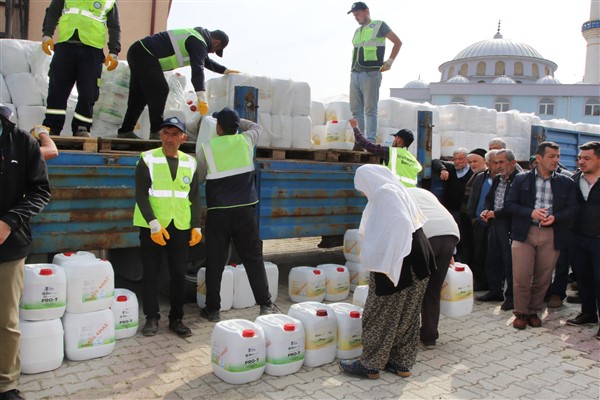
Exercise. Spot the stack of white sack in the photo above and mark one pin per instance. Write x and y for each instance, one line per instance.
(24, 80)
(283, 107)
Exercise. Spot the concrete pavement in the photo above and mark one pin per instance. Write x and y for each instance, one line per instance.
(480, 356)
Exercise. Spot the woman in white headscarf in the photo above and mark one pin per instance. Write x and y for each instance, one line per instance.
(399, 256)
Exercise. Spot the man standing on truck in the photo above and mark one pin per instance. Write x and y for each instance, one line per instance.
(151, 56)
(167, 210)
(396, 157)
(367, 65)
(25, 192)
(78, 57)
(226, 163)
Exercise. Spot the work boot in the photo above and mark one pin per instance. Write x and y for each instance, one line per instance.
(128, 135)
(269, 309)
(179, 328)
(12, 395)
(150, 327)
(82, 132)
(212, 316)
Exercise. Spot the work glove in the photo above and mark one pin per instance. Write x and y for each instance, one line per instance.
(47, 45)
(195, 237)
(111, 62)
(231, 71)
(158, 234)
(387, 64)
(202, 103)
(39, 129)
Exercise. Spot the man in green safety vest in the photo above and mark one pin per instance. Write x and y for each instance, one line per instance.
(78, 58)
(367, 65)
(151, 56)
(396, 157)
(167, 211)
(226, 164)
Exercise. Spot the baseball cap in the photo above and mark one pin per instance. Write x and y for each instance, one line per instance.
(173, 121)
(479, 151)
(222, 36)
(228, 119)
(358, 6)
(405, 134)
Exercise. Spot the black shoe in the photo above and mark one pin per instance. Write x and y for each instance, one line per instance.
(583, 319)
(508, 305)
(150, 327)
(12, 395)
(355, 367)
(397, 369)
(490, 296)
(574, 299)
(270, 309)
(154, 136)
(179, 328)
(128, 135)
(211, 316)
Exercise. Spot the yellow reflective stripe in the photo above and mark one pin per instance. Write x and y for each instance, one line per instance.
(82, 118)
(231, 172)
(55, 111)
(408, 180)
(210, 158)
(175, 43)
(191, 164)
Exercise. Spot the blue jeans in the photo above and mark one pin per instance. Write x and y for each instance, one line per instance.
(585, 256)
(364, 96)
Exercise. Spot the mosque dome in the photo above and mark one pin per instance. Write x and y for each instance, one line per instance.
(548, 80)
(498, 47)
(506, 80)
(417, 84)
(458, 79)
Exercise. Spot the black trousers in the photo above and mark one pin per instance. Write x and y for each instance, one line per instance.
(238, 225)
(177, 251)
(71, 64)
(463, 248)
(498, 264)
(147, 86)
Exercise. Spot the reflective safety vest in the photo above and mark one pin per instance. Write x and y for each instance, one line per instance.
(369, 49)
(169, 198)
(406, 167)
(181, 58)
(88, 18)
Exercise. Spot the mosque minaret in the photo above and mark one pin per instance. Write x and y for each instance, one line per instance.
(591, 32)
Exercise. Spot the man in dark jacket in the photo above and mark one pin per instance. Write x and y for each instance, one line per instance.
(542, 204)
(585, 234)
(498, 264)
(25, 192)
(151, 56)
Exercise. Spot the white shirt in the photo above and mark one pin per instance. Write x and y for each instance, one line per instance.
(439, 221)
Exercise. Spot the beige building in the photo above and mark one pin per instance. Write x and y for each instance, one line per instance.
(23, 19)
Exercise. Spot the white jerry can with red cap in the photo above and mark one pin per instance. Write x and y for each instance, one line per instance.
(126, 311)
(456, 299)
(44, 292)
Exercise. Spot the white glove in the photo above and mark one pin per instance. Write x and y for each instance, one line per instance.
(154, 226)
(38, 129)
(387, 64)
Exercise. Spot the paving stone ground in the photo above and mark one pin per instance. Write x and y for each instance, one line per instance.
(479, 356)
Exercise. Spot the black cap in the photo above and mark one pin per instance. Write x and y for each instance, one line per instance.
(228, 119)
(358, 6)
(479, 151)
(173, 121)
(222, 36)
(405, 134)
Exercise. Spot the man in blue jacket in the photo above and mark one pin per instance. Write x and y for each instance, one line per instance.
(542, 204)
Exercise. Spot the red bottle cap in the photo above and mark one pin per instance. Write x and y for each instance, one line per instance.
(69, 253)
(459, 268)
(340, 269)
(248, 333)
(122, 298)
(354, 314)
(46, 271)
(317, 272)
(289, 327)
(321, 313)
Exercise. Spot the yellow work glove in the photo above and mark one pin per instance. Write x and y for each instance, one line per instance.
(202, 102)
(195, 237)
(111, 62)
(158, 234)
(231, 71)
(47, 45)
(38, 129)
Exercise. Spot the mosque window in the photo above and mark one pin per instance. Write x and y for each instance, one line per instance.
(464, 70)
(535, 71)
(547, 71)
(500, 68)
(481, 68)
(518, 68)
(592, 107)
(451, 72)
(502, 104)
(458, 100)
(546, 106)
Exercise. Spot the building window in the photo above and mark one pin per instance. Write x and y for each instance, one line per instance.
(592, 107)
(547, 71)
(464, 70)
(546, 106)
(451, 72)
(502, 104)
(535, 71)
(500, 69)
(480, 81)
(481, 69)
(518, 68)
(458, 100)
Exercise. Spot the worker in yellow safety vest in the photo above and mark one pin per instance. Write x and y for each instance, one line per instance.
(396, 157)
(167, 211)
